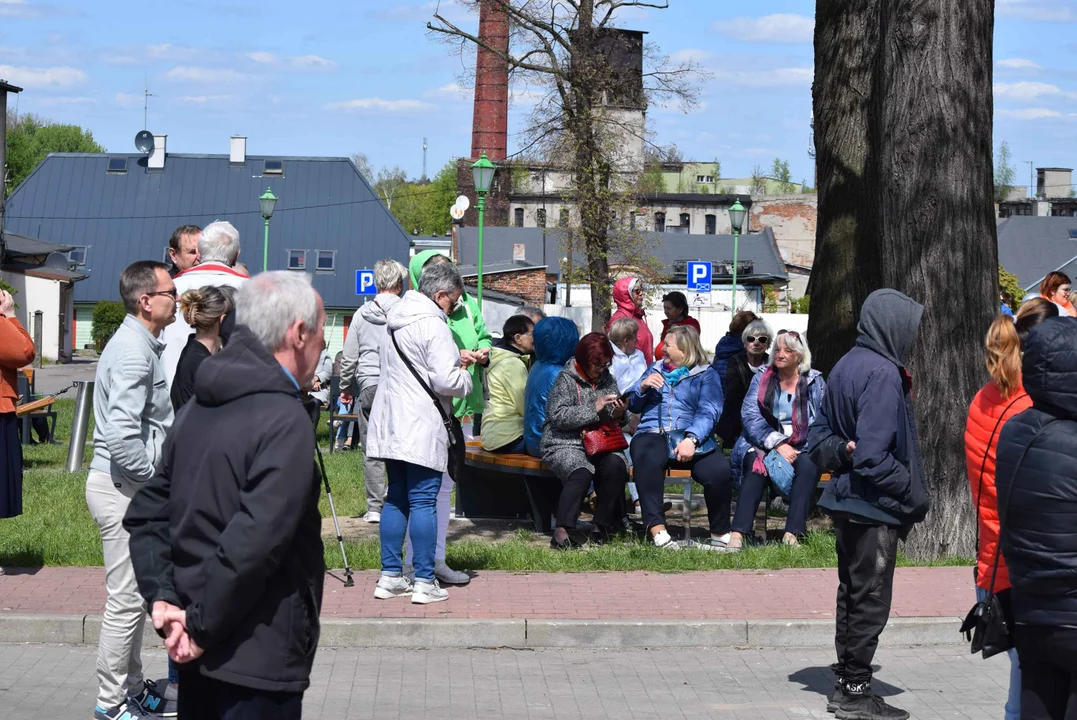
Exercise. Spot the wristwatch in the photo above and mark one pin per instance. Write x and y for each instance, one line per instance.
(693, 438)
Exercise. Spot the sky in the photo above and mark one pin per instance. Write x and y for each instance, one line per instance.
(336, 77)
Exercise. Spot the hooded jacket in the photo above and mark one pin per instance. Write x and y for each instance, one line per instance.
(727, 348)
(692, 404)
(404, 423)
(229, 528)
(869, 400)
(360, 365)
(556, 339)
(506, 378)
(1038, 497)
(468, 332)
(622, 298)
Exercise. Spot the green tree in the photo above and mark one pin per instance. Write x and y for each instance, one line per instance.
(108, 315)
(759, 181)
(31, 138)
(1008, 282)
(651, 181)
(424, 207)
(1005, 173)
(780, 172)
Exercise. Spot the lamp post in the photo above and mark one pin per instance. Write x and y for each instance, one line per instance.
(482, 173)
(267, 202)
(736, 219)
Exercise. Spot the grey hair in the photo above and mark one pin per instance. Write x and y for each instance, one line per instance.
(440, 277)
(755, 327)
(270, 302)
(532, 312)
(794, 343)
(219, 243)
(389, 274)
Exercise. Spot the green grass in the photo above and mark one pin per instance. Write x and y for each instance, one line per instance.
(56, 529)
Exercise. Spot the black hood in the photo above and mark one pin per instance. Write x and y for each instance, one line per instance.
(1049, 366)
(243, 367)
(889, 321)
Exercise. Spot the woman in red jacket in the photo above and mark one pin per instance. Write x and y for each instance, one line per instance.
(628, 298)
(16, 351)
(997, 402)
(675, 306)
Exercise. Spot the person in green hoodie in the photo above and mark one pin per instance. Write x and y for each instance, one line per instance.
(469, 332)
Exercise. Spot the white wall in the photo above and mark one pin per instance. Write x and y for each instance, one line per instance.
(39, 294)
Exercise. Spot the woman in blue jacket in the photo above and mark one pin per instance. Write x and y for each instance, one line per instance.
(680, 396)
(781, 404)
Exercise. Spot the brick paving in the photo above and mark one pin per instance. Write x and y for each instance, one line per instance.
(713, 595)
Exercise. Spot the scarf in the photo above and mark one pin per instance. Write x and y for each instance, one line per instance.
(673, 375)
(769, 387)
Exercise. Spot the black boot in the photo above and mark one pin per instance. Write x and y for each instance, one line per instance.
(860, 703)
(838, 698)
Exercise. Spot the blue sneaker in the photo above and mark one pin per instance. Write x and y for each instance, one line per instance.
(155, 699)
(127, 711)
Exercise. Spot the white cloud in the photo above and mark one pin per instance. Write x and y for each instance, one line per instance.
(187, 73)
(18, 9)
(1037, 10)
(262, 58)
(376, 104)
(1030, 114)
(1018, 64)
(203, 99)
(452, 91)
(691, 55)
(782, 28)
(1026, 90)
(526, 96)
(424, 11)
(777, 77)
(311, 62)
(62, 101)
(29, 77)
(128, 99)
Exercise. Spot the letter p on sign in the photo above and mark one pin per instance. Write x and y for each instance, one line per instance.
(364, 282)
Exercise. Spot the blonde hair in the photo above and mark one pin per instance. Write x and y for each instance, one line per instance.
(686, 338)
(794, 342)
(1003, 359)
(203, 307)
(623, 329)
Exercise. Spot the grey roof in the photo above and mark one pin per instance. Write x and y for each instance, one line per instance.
(1031, 247)
(493, 268)
(323, 204)
(20, 245)
(669, 248)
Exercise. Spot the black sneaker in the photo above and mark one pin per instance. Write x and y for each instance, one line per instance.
(152, 700)
(867, 705)
(835, 702)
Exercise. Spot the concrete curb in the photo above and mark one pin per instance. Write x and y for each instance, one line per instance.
(521, 633)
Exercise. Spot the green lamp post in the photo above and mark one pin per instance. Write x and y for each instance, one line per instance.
(482, 173)
(267, 202)
(736, 219)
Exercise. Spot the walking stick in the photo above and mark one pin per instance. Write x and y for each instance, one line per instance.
(348, 581)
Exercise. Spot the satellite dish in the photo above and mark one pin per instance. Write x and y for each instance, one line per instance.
(457, 212)
(462, 202)
(57, 261)
(144, 142)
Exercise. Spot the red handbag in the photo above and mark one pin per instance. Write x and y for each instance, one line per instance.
(603, 437)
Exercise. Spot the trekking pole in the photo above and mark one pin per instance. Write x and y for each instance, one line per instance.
(348, 581)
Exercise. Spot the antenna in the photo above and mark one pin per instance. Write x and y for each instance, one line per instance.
(146, 95)
(1031, 180)
(424, 158)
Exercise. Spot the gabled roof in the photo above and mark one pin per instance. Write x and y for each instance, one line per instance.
(21, 246)
(323, 204)
(1031, 247)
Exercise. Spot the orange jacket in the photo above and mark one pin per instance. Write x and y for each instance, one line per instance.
(985, 413)
(16, 351)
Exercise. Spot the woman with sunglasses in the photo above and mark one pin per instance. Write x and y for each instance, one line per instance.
(740, 369)
(778, 409)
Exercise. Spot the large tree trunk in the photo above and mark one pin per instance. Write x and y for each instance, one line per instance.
(933, 231)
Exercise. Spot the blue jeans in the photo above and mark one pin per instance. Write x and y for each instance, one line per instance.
(1013, 701)
(345, 428)
(411, 497)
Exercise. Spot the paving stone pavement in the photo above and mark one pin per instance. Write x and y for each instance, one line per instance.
(57, 681)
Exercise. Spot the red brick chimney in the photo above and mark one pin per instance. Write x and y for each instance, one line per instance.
(490, 126)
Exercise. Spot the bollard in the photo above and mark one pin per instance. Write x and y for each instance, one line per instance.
(39, 320)
(79, 425)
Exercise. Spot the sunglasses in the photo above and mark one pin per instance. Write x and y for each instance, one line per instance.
(170, 293)
(792, 333)
(760, 339)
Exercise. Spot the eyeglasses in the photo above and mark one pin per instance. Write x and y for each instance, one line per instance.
(170, 293)
(760, 339)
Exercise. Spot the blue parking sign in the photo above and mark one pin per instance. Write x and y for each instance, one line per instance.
(699, 276)
(364, 282)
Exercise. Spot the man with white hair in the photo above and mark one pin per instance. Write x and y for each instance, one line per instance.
(218, 248)
(226, 541)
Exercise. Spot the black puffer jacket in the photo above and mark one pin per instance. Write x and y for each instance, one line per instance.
(1038, 497)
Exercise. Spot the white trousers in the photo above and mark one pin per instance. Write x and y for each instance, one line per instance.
(119, 648)
(444, 508)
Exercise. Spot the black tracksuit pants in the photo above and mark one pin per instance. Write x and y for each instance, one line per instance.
(204, 698)
(1048, 656)
(866, 558)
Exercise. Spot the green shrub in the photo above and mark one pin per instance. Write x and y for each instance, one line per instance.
(1008, 282)
(107, 317)
(4, 286)
(800, 306)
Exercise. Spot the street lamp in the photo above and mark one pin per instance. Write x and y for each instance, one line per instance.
(267, 202)
(736, 219)
(482, 173)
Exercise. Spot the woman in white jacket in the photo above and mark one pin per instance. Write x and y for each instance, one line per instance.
(407, 432)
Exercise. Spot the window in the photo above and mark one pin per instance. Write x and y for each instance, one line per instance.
(1073, 233)
(272, 167)
(659, 222)
(77, 255)
(541, 215)
(327, 261)
(297, 259)
(686, 222)
(704, 179)
(117, 165)
(712, 224)
(562, 218)
(519, 213)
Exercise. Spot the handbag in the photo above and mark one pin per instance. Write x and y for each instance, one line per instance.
(457, 444)
(780, 471)
(602, 437)
(989, 624)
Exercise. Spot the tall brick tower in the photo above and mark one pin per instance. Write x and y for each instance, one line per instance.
(490, 125)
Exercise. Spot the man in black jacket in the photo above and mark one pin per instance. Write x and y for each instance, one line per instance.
(865, 433)
(229, 529)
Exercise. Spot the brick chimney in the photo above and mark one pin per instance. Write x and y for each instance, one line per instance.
(490, 126)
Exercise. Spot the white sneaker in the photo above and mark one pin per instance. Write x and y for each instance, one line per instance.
(715, 544)
(392, 587)
(428, 592)
(664, 541)
(447, 575)
(372, 516)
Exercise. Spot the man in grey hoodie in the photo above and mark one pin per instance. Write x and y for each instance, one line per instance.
(132, 415)
(360, 368)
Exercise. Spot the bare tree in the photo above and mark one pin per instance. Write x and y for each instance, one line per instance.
(362, 162)
(563, 48)
(759, 181)
(903, 125)
(388, 182)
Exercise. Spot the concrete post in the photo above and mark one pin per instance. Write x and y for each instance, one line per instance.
(39, 321)
(79, 425)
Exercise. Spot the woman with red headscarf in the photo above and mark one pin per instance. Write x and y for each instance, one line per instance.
(628, 297)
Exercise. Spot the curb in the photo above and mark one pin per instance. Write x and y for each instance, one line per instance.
(522, 633)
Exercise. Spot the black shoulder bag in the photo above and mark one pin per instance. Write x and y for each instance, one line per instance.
(457, 444)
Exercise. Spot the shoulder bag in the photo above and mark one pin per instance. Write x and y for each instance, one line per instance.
(457, 444)
(602, 437)
(706, 446)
